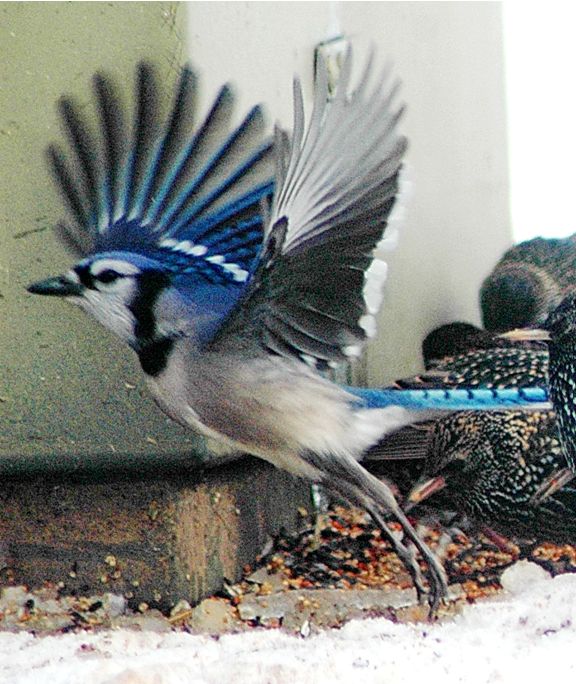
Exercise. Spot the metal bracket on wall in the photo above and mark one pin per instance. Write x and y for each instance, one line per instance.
(333, 51)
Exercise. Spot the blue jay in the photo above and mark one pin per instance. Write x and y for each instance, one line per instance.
(234, 304)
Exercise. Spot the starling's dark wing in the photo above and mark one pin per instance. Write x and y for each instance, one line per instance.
(318, 283)
(494, 368)
(412, 442)
(187, 192)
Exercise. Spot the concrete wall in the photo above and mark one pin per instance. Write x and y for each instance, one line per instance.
(69, 393)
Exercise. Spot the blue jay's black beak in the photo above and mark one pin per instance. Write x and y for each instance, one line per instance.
(58, 286)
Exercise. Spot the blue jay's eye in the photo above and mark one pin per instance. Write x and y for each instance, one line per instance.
(108, 276)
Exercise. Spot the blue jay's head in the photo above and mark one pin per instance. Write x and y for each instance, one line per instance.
(145, 300)
(118, 289)
(169, 217)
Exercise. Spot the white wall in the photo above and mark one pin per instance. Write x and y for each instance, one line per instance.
(449, 56)
(540, 53)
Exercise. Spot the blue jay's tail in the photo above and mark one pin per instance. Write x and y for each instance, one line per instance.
(479, 398)
(164, 187)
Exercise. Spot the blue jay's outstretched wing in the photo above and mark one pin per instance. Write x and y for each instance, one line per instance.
(188, 197)
(318, 283)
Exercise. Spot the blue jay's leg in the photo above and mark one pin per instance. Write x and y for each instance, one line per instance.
(349, 479)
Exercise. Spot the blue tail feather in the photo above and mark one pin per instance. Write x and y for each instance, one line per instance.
(478, 398)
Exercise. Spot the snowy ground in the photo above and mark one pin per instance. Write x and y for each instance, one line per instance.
(526, 635)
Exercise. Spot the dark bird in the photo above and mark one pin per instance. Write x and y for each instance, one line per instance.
(457, 338)
(559, 330)
(492, 466)
(528, 282)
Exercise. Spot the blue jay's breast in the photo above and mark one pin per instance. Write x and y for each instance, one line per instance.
(270, 407)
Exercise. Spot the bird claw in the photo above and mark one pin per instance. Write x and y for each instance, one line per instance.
(437, 589)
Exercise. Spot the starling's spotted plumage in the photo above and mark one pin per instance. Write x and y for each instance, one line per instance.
(490, 466)
(560, 328)
(496, 367)
(528, 282)
(454, 339)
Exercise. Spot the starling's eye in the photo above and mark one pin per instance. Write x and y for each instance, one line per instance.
(455, 467)
(108, 276)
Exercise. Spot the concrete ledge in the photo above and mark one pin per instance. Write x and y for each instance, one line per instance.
(155, 540)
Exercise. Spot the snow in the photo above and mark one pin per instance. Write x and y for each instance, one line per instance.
(526, 635)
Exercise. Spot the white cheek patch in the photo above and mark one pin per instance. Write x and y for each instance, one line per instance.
(110, 311)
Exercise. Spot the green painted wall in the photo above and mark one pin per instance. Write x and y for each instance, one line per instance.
(70, 394)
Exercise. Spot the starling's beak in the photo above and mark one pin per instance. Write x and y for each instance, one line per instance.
(58, 286)
(423, 490)
(526, 335)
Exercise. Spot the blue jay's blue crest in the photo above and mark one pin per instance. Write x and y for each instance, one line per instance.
(189, 199)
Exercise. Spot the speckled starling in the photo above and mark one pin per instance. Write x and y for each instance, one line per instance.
(505, 470)
(458, 337)
(560, 332)
(490, 466)
(528, 282)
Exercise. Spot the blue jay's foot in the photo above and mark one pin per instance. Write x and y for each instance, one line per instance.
(349, 479)
(438, 584)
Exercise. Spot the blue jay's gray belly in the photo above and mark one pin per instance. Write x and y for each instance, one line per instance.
(270, 407)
